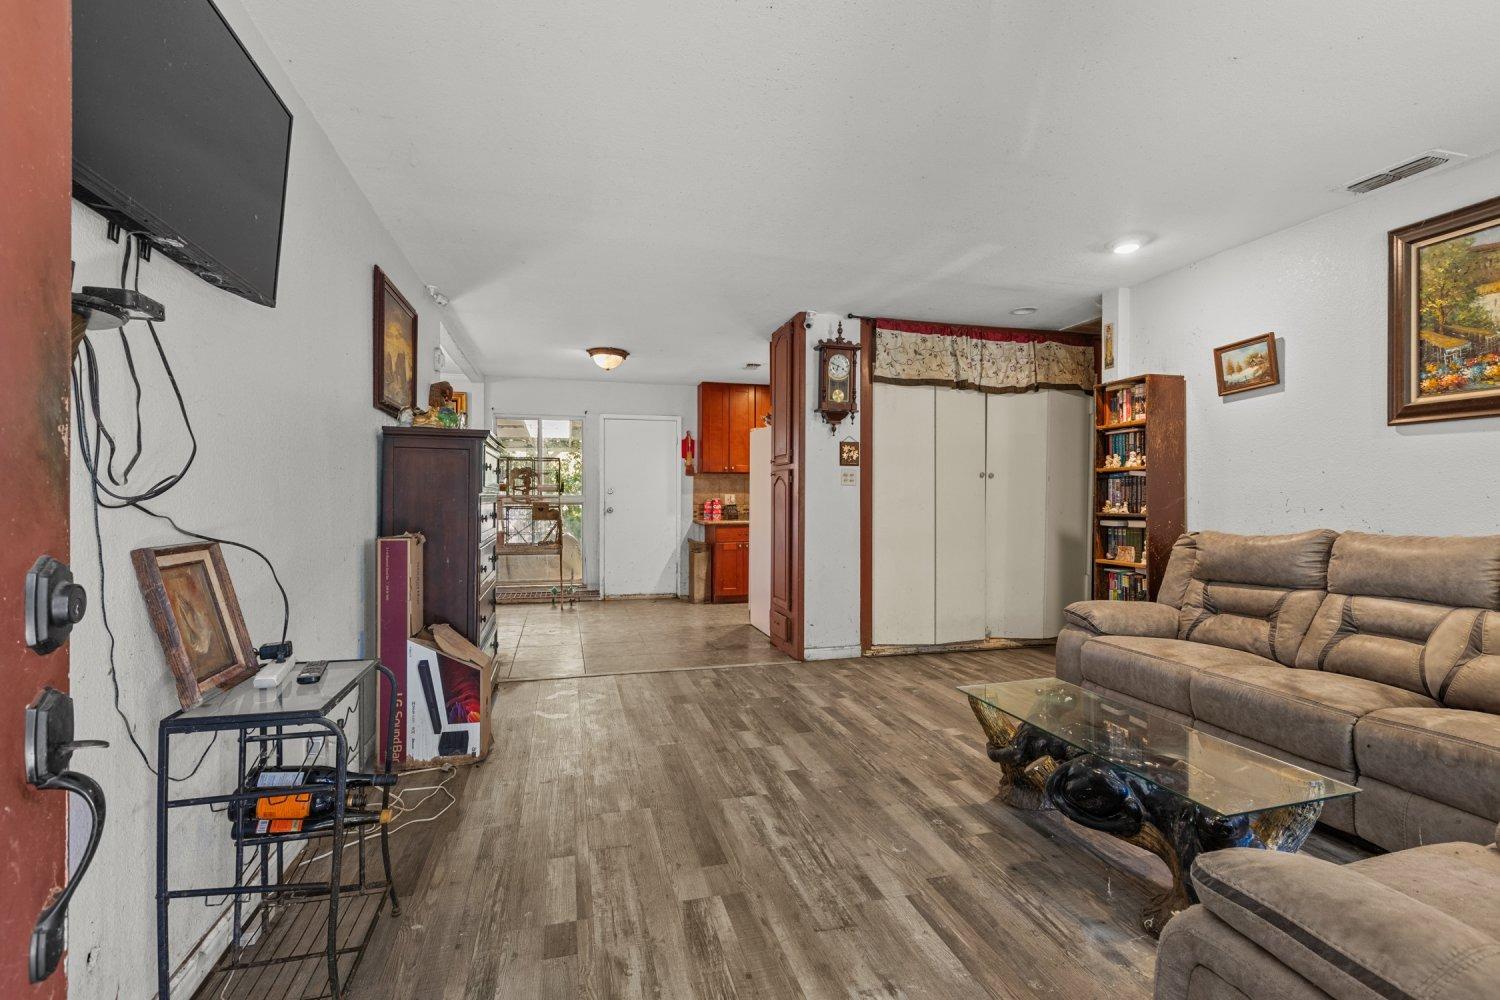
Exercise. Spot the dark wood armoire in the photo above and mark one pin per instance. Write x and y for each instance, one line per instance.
(444, 484)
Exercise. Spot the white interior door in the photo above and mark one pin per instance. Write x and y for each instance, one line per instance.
(1016, 513)
(642, 537)
(960, 528)
(903, 570)
(1070, 425)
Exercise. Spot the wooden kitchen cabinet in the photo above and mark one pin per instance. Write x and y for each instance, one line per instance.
(731, 562)
(727, 412)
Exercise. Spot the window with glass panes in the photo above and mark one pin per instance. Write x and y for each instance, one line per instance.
(551, 437)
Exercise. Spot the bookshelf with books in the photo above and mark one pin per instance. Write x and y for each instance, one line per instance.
(1139, 483)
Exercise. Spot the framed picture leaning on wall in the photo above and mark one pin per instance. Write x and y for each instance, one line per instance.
(196, 617)
(1444, 337)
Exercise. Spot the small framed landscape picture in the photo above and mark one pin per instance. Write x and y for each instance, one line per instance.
(196, 617)
(1444, 338)
(1246, 364)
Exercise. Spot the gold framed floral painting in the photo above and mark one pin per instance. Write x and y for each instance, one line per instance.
(1444, 337)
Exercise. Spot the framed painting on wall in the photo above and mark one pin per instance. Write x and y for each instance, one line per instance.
(1444, 336)
(1246, 364)
(196, 616)
(395, 348)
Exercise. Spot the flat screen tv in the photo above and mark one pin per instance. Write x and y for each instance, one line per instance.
(178, 134)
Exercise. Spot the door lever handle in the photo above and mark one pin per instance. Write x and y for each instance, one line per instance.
(49, 751)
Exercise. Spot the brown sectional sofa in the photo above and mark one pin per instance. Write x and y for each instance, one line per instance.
(1374, 659)
(1419, 924)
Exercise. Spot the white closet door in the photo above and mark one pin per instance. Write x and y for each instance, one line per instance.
(903, 493)
(959, 444)
(1070, 417)
(1016, 514)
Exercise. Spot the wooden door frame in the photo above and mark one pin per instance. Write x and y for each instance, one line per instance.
(35, 278)
(604, 419)
(796, 328)
(866, 482)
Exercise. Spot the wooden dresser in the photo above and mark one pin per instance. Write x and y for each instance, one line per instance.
(444, 484)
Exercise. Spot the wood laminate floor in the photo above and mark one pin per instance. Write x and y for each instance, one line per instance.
(615, 637)
(790, 830)
(785, 830)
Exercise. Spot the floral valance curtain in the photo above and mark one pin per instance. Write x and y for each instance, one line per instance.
(987, 358)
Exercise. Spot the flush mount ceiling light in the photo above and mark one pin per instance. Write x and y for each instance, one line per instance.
(608, 358)
(1128, 244)
(1023, 311)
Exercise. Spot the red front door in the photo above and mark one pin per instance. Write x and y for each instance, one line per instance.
(35, 275)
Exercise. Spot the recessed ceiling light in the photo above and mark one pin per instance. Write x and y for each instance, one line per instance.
(1128, 244)
(608, 358)
(1023, 311)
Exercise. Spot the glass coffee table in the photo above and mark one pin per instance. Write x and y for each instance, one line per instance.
(1144, 778)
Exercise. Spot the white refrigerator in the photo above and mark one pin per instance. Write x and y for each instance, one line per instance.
(760, 529)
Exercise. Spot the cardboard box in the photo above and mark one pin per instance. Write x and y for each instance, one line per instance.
(450, 683)
(398, 616)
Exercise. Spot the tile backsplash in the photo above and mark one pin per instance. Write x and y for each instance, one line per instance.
(720, 484)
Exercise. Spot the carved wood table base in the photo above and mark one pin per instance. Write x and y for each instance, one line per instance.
(1039, 771)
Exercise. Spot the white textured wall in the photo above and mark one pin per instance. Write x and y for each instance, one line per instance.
(592, 399)
(1316, 451)
(288, 446)
(831, 529)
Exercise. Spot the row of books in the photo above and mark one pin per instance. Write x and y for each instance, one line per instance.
(1125, 544)
(1125, 403)
(1123, 585)
(1122, 443)
(1124, 494)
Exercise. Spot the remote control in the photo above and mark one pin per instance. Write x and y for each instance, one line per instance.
(312, 672)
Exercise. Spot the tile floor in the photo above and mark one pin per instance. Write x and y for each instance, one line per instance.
(619, 637)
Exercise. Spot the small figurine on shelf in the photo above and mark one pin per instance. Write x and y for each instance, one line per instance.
(1111, 461)
(440, 411)
(1134, 460)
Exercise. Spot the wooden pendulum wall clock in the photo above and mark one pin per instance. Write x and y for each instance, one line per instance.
(838, 378)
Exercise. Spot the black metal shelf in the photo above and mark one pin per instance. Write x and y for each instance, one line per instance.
(269, 720)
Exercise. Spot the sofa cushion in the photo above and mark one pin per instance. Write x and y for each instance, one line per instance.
(1291, 562)
(1462, 880)
(1461, 664)
(1381, 639)
(1306, 712)
(1157, 671)
(1195, 943)
(1444, 754)
(1256, 593)
(1455, 571)
(1396, 819)
(1404, 610)
(1179, 572)
(1348, 934)
(1123, 618)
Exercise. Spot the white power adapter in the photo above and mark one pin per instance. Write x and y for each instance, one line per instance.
(272, 674)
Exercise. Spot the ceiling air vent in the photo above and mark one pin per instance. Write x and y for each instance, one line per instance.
(1428, 160)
